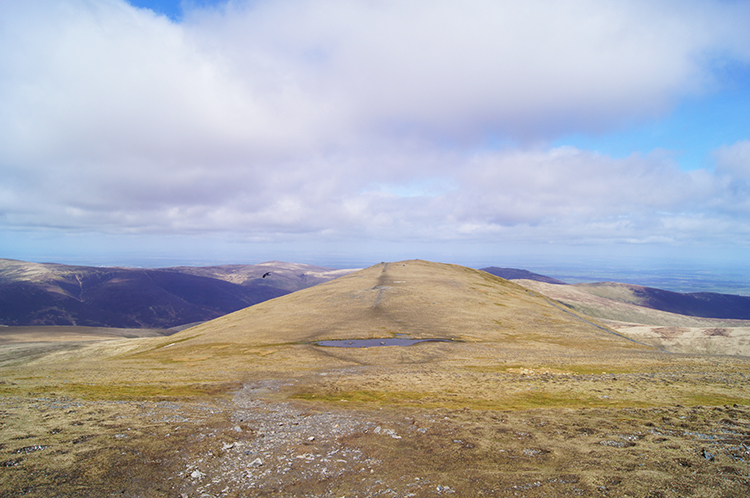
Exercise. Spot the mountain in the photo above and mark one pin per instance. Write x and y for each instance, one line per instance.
(516, 274)
(418, 299)
(55, 294)
(579, 298)
(699, 304)
(280, 275)
(695, 304)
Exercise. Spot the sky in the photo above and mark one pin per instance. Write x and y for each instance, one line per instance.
(600, 133)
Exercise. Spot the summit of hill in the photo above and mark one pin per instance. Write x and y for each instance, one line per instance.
(416, 299)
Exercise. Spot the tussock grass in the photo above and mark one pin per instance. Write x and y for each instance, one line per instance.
(161, 391)
(715, 400)
(554, 369)
(427, 400)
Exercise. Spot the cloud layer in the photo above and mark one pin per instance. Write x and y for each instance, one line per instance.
(417, 120)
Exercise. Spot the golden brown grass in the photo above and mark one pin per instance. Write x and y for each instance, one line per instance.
(415, 298)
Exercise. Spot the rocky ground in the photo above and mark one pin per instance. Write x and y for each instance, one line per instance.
(259, 442)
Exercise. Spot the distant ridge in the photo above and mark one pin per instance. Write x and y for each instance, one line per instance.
(55, 294)
(694, 304)
(698, 304)
(516, 274)
(702, 323)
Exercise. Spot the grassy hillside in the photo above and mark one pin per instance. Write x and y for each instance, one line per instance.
(617, 306)
(418, 299)
(699, 304)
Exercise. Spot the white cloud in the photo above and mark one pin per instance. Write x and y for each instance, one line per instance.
(734, 161)
(357, 118)
(733, 170)
(524, 68)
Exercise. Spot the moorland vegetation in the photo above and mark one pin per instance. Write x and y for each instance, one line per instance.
(527, 396)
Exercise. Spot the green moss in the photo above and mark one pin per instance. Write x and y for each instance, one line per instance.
(521, 401)
(543, 399)
(202, 352)
(129, 392)
(714, 400)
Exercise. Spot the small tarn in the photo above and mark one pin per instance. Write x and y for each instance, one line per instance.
(374, 343)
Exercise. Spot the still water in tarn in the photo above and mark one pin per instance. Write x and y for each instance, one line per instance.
(374, 343)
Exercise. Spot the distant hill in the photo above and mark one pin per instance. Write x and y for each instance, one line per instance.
(578, 297)
(287, 276)
(698, 304)
(695, 304)
(634, 311)
(516, 274)
(55, 294)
